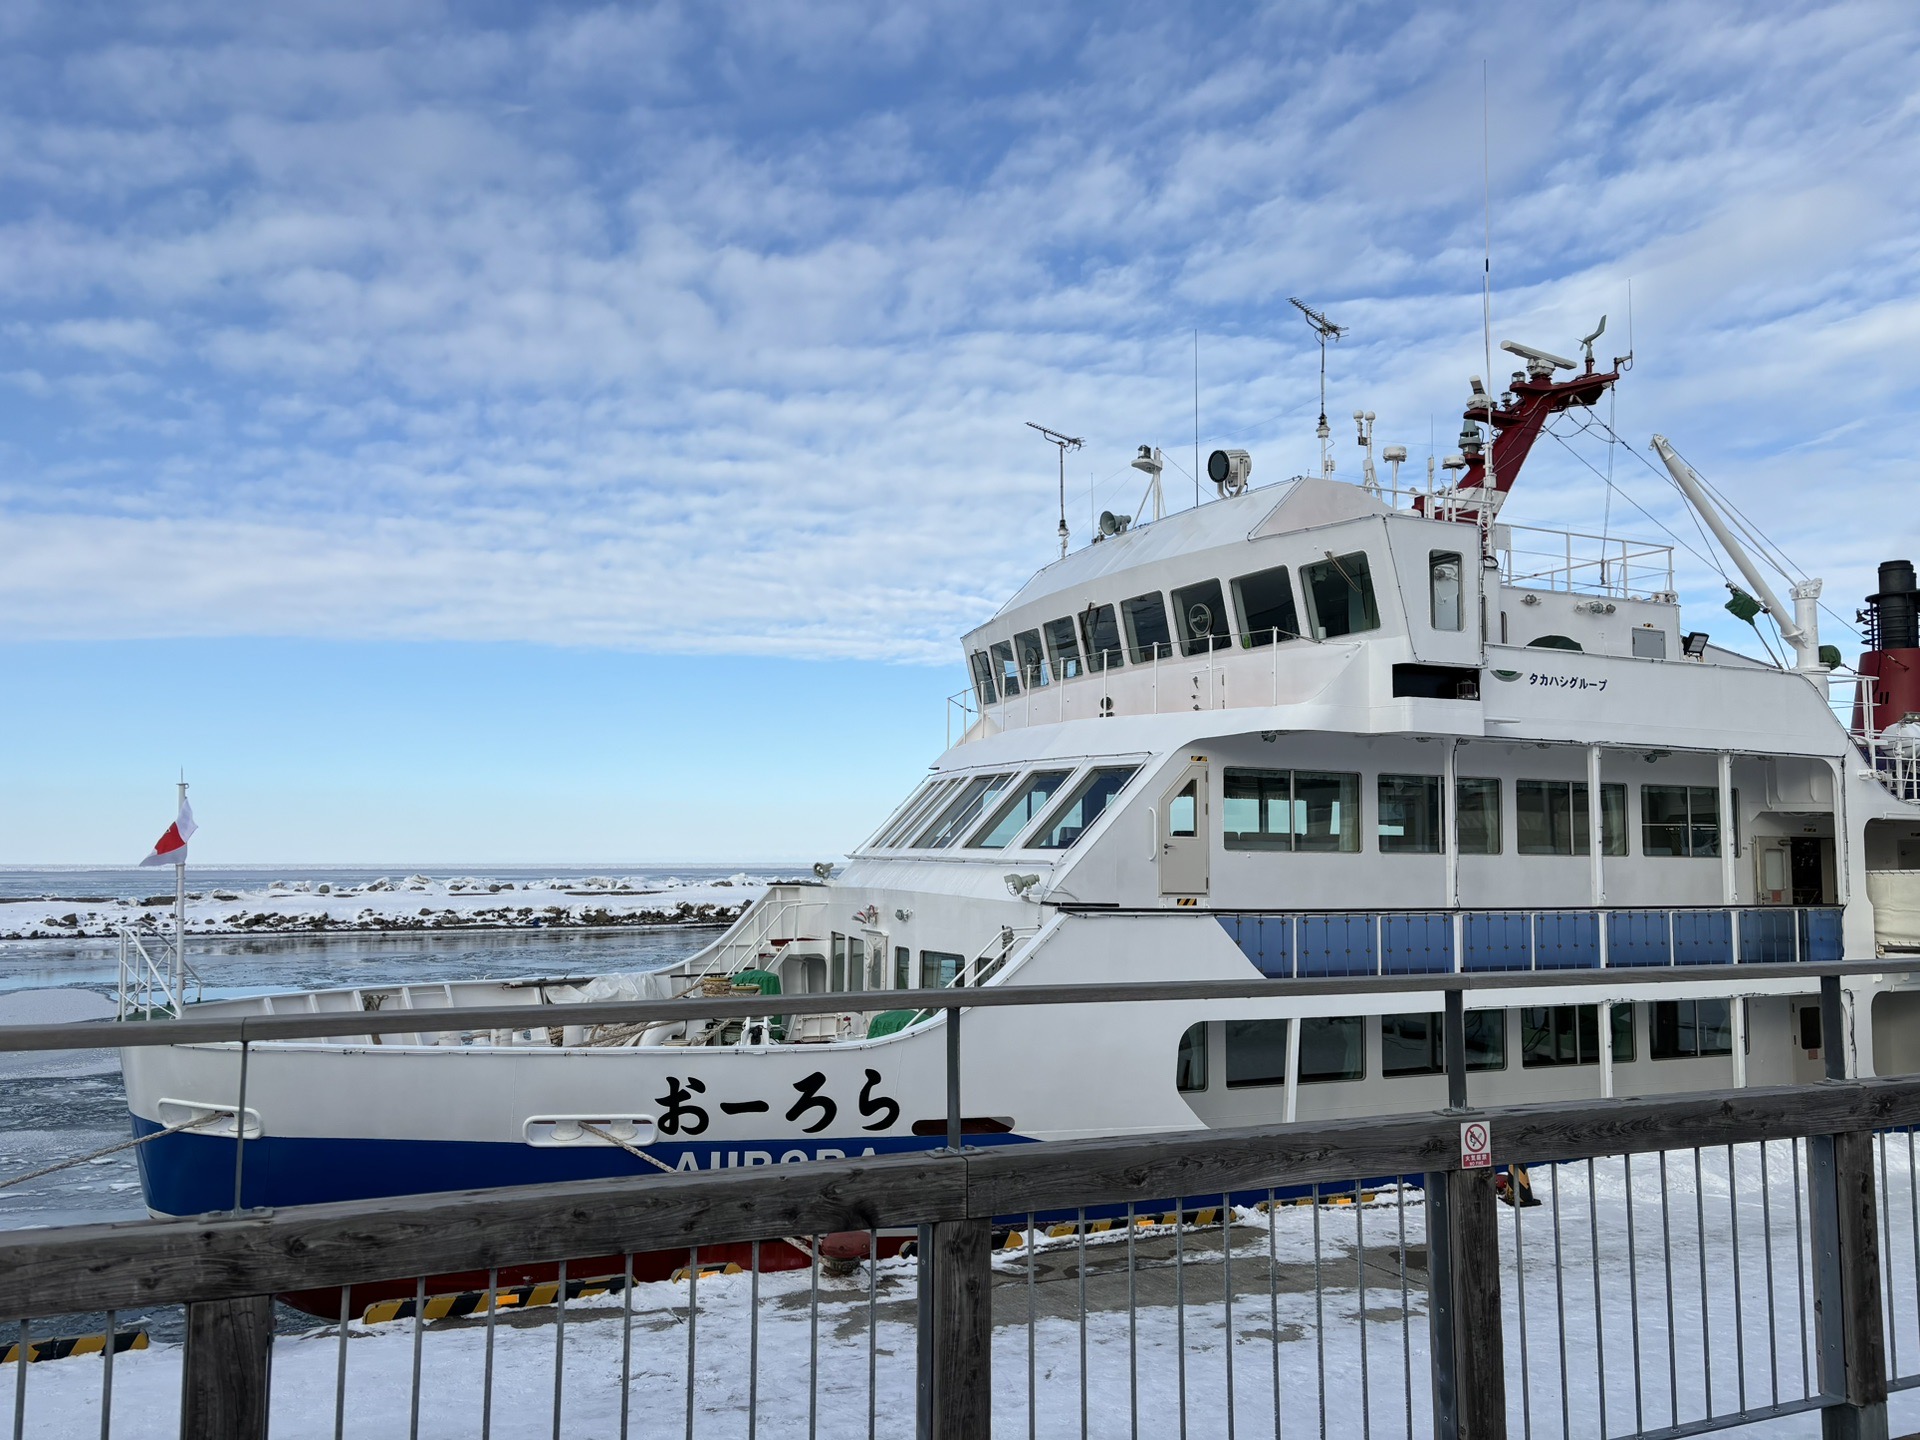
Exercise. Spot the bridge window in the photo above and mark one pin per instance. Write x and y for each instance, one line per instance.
(1033, 668)
(1266, 608)
(1063, 649)
(1415, 1044)
(1409, 815)
(1291, 810)
(1570, 1035)
(1202, 617)
(1004, 665)
(963, 810)
(1100, 628)
(1147, 633)
(1018, 812)
(1683, 1029)
(1552, 817)
(982, 677)
(1190, 1065)
(1256, 1053)
(1679, 820)
(1339, 593)
(918, 809)
(1085, 805)
(1477, 816)
(1443, 588)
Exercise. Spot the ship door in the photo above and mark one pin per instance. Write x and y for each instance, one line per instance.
(1183, 811)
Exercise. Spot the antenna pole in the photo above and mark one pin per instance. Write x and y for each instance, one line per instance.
(1066, 443)
(1196, 419)
(1326, 330)
(1490, 485)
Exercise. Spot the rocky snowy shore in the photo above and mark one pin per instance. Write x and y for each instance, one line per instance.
(413, 902)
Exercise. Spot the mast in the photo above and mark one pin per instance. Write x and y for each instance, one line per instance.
(177, 971)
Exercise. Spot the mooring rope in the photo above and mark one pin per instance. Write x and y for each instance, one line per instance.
(13, 1180)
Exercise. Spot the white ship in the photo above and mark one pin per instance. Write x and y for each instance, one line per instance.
(1306, 728)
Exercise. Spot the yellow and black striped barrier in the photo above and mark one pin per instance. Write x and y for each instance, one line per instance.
(37, 1350)
(474, 1302)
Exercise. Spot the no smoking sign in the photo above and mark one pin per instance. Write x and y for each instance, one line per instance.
(1476, 1145)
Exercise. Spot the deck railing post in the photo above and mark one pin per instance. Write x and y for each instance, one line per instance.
(1845, 1222)
(223, 1377)
(1467, 1355)
(960, 1405)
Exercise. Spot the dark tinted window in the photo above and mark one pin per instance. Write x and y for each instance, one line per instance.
(982, 677)
(1478, 811)
(1570, 1035)
(1202, 617)
(1409, 818)
(1100, 628)
(1033, 669)
(1063, 649)
(1266, 607)
(1018, 812)
(1005, 668)
(1415, 1044)
(1339, 594)
(1256, 1053)
(1147, 634)
(1682, 1029)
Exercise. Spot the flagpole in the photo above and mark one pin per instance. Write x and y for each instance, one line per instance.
(177, 980)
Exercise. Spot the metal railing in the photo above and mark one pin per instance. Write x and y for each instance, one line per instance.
(1893, 754)
(1668, 1266)
(1577, 563)
(148, 987)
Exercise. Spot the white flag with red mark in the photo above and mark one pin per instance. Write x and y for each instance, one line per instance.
(171, 848)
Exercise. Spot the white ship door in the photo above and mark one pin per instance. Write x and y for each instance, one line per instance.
(1183, 836)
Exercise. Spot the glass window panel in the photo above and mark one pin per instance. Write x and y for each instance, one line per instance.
(1190, 1066)
(1443, 584)
(917, 813)
(1478, 813)
(1703, 806)
(856, 964)
(1339, 593)
(1265, 602)
(1100, 628)
(1326, 811)
(1332, 1047)
(1683, 1029)
(1063, 649)
(902, 968)
(837, 969)
(961, 812)
(1613, 819)
(1147, 633)
(938, 968)
(983, 677)
(1416, 1044)
(1084, 806)
(1033, 660)
(1409, 814)
(1542, 817)
(1663, 819)
(1005, 667)
(1183, 816)
(1018, 811)
(1256, 1053)
(1257, 810)
(1202, 617)
(1570, 1035)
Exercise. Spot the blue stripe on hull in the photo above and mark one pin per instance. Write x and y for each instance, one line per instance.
(185, 1174)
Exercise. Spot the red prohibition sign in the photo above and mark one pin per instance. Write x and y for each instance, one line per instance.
(1476, 1138)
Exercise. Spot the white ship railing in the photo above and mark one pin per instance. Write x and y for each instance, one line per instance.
(1893, 753)
(149, 987)
(742, 947)
(1583, 564)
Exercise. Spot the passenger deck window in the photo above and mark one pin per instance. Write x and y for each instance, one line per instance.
(982, 677)
(1256, 1053)
(1100, 628)
(1147, 634)
(1416, 1045)
(1339, 593)
(1332, 1047)
(1291, 810)
(1085, 805)
(1443, 589)
(1570, 1035)
(939, 968)
(1005, 666)
(1679, 820)
(1408, 822)
(958, 817)
(1551, 817)
(1018, 812)
(1265, 602)
(902, 968)
(1063, 649)
(918, 809)
(1477, 816)
(1684, 1029)
(1033, 668)
(848, 968)
(1190, 1064)
(1202, 617)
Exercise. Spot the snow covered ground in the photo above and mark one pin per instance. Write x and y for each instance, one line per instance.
(400, 902)
(1738, 1321)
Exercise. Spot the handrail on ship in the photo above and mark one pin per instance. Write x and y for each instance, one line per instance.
(255, 1029)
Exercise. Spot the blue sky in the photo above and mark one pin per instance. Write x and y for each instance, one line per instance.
(505, 433)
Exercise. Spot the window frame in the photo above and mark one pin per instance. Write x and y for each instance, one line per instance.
(1358, 580)
(1267, 839)
(1132, 609)
(1435, 826)
(1622, 1021)
(1063, 654)
(1613, 819)
(983, 687)
(1460, 784)
(1056, 817)
(1102, 655)
(1435, 1040)
(1033, 659)
(1006, 665)
(955, 819)
(933, 973)
(1659, 1009)
(1189, 596)
(977, 841)
(1265, 1080)
(918, 808)
(1691, 828)
(1437, 560)
(1252, 636)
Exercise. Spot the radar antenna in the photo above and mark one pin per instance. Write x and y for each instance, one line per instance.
(1066, 443)
(1326, 330)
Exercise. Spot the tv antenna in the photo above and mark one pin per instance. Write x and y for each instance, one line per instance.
(1066, 443)
(1326, 330)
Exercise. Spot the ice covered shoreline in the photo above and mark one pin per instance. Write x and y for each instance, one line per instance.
(403, 903)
